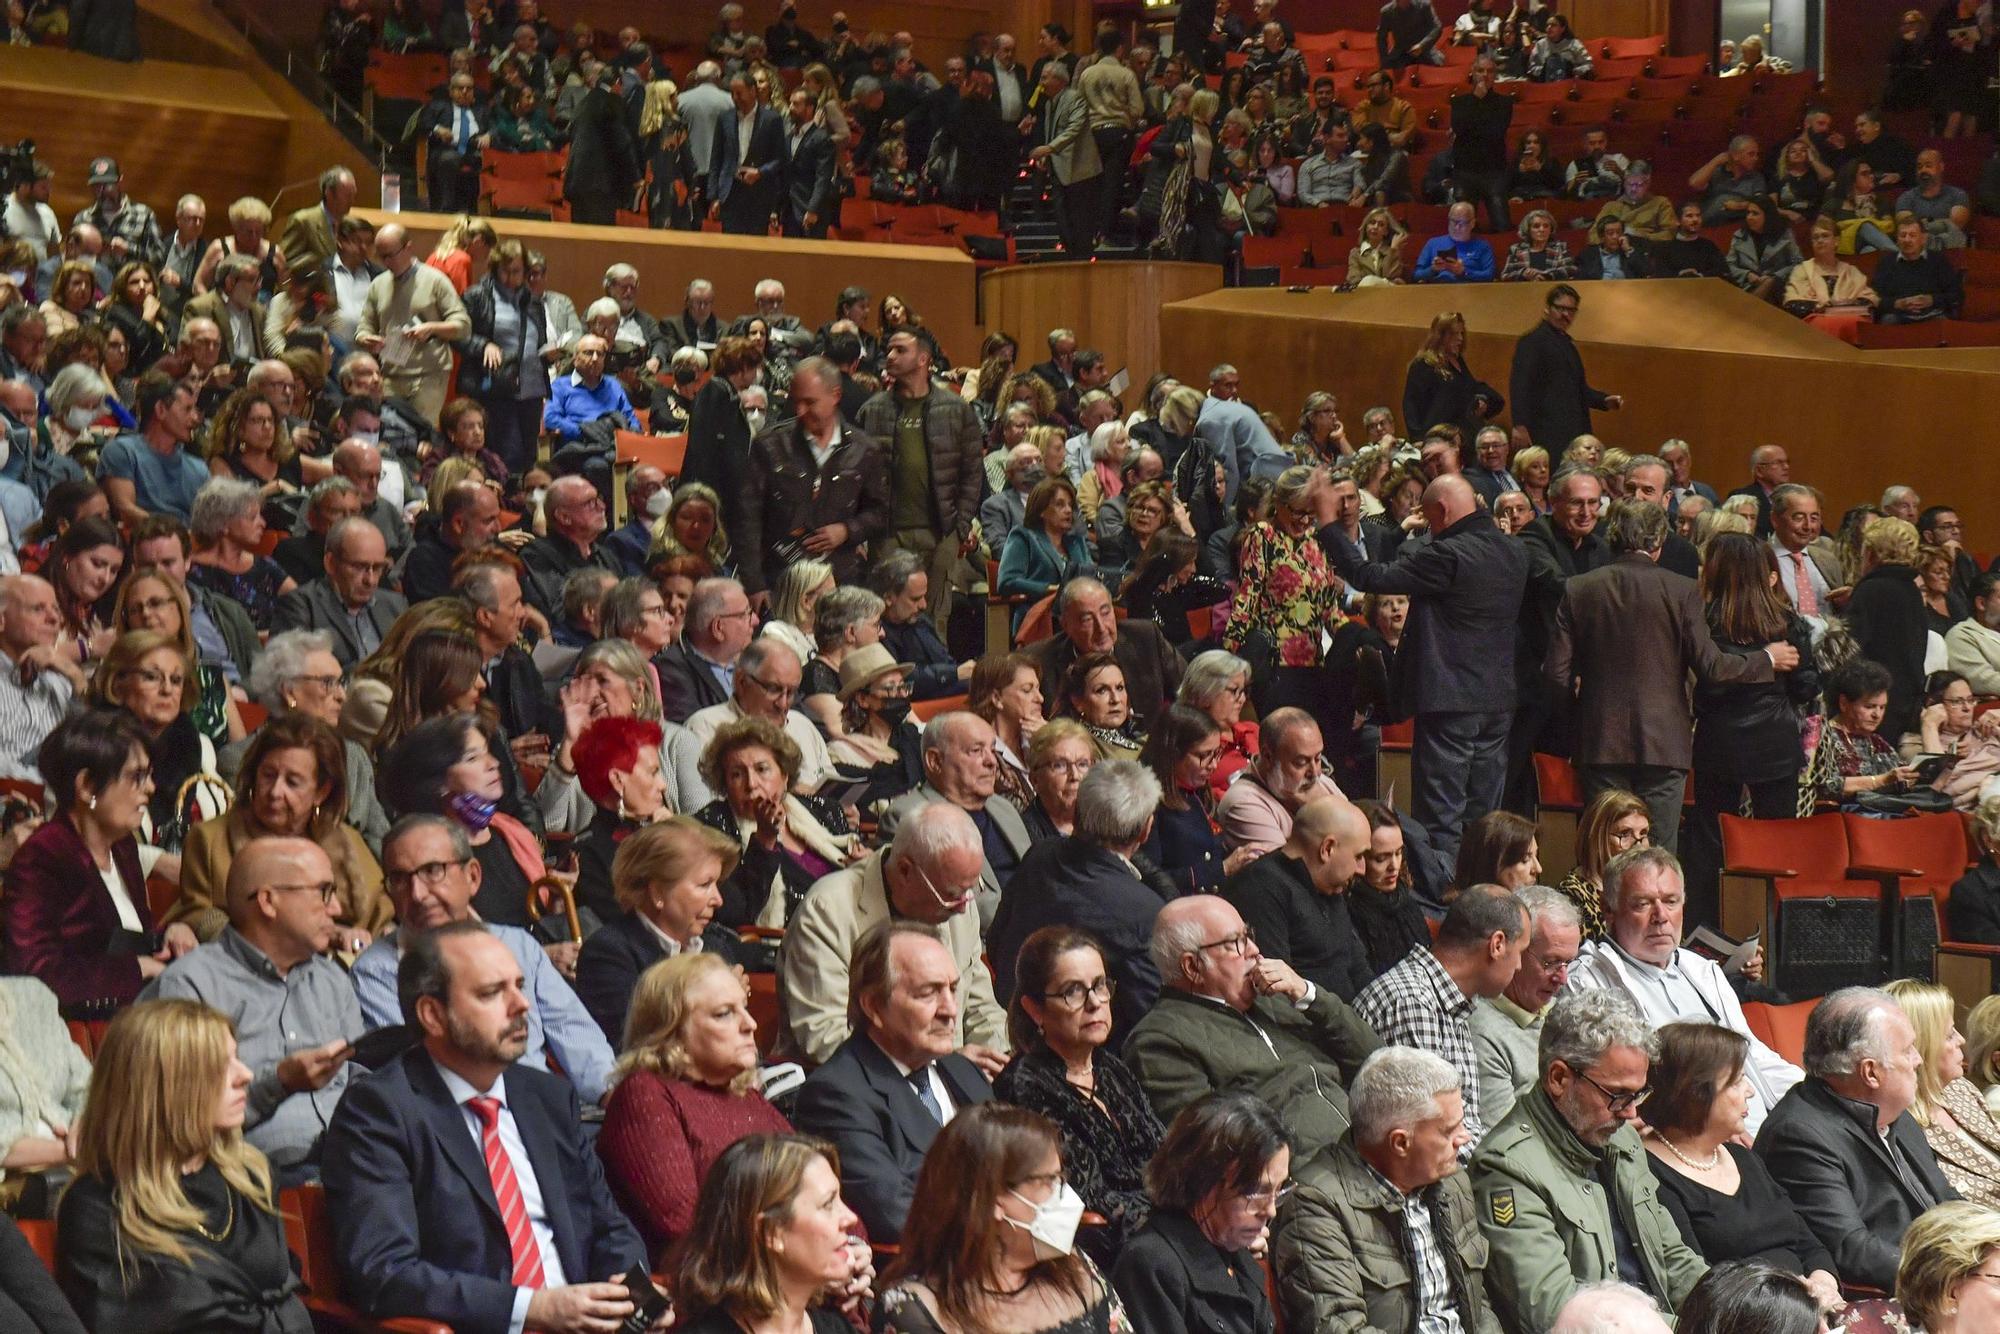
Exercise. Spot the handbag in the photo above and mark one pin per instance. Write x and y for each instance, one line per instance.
(1918, 800)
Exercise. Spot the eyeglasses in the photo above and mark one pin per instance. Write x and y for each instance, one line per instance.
(378, 568)
(429, 872)
(153, 676)
(1618, 1102)
(732, 615)
(150, 605)
(1269, 1199)
(326, 682)
(775, 691)
(1565, 308)
(1076, 995)
(326, 889)
(1238, 944)
(1548, 969)
(1070, 767)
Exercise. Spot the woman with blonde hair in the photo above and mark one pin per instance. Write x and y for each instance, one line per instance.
(1613, 821)
(795, 593)
(1944, 1278)
(172, 1222)
(1982, 1050)
(1887, 616)
(249, 225)
(1320, 438)
(72, 298)
(692, 526)
(1378, 260)
(1439, 387)
(371, 682)
(1950, 1108)
(462, 249)
(686, 1086)
(150, 599)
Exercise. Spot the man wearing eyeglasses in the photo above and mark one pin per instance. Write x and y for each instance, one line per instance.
(1507, 1028)
(766, 686)
(1562, 1188)
(576, 518)
(1230, 1018)
(295, 1015)
(350, 603)
(1552, 397)
(432, 877)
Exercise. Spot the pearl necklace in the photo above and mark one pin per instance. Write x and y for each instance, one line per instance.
(1714, 1159)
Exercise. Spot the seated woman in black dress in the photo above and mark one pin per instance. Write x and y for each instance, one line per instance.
(172, 1222)
(1059, 1023)
(617, 763)
(771, 1245)
(1726, 1203)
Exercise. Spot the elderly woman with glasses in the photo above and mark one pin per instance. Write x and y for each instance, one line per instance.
(152, 600)
(1060, 753)
(789, 842)
(148, 676)
(1059, 1023)
(297, 673)
(1218, 683)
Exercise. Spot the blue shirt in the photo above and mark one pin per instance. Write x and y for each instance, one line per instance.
(557, 1020)
(161, 483)
(573, 405)
(1475, 253)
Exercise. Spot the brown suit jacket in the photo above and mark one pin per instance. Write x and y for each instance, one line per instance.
(306, 236)
(1626, 637)
(1152, 668)
(209, 306)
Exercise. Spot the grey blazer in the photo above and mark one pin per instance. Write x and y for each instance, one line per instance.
(315, 606)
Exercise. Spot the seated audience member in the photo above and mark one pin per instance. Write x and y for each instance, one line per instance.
(1823, 283)
(618, 764)
(44, 1076)
(1388, 916)
(1296, 897)
(609, 678)
(1498, 848)
(1059, 757)
(1380, 1231)
(1973, 910)
(1060, 1022)
(1218, 683)
(1507, 1028)
(172, 1221)
(1645, 899)
(888, 1090)
(1088, 881)
(143, 676)
(795, 589)
(1685, 252)
(1087, 623)
(1613, 822)
(1181, 753)
(1720, 1193)
(686, 1090)
(1762, 253)
(39, 679)
(1288, 772)
(1538, 256)
(961, 768)
(1858, 758)
(1746, 1294)
(75, 913)
(1006, 690)
(413, 1236)
(1426, 1000)
(667, 877)
(992, 1241)
(910, 631)
(1842, 1144)
(926, 874)
(789, 842)
(1458, 256)
(292, 1009)
(768, 1238)
(1216, 1183)
(699, 670)
(1938, 1274)
(766, 682)
(1049, 547)
(1916, 283)
(1564, 1195)
(1614, 256)
(291, 783)
(1950, 1108)
(433, 875)
(1610, 1307)
(1951, 725)
(467, 518)
(1229, 1018)
(348, 601)
(1094, 694)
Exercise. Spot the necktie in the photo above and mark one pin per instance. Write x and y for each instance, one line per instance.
(507, 1190)
(1808, 599)
(464, 131)
(920, 1083)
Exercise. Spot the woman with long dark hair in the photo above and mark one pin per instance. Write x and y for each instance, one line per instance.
(1762, 253)
(1439, 387)
(1186, 843)
(83, 568)
(1387, 916)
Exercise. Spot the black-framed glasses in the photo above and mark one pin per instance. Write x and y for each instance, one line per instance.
(1618, 1102)
(1076, 995)
(774, 691)
(1238, 944)
(326, 681)
(429, 872)
(326, 889)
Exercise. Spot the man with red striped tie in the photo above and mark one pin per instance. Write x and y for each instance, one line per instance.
(461, 1185)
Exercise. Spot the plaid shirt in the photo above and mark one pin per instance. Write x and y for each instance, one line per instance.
(135, 225)
(1416, 1004)
(1437, 1309)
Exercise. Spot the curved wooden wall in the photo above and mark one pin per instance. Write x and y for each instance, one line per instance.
(1115, 307)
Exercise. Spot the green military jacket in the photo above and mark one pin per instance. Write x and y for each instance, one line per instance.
(1542, 1204)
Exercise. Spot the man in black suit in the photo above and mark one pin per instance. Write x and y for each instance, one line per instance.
(697, 325)
(604, 163)
(1646, 477)
(350, 603)
(461, 1185)
(1454, 671)
(1552, 399)
(699, 669)
(809, 197)
(815, 484)
(1842, 1142)
(1060, 369)
(468, 519)
(892, 1086)
(1087, 623)
(746, 165)
(457, 131)
(1615, 255)
(1295, 897)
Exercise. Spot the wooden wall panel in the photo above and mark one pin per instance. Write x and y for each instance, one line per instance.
(1114, 307)
(934, 281)
(1695, 359)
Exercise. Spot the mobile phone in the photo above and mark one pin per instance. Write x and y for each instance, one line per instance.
(648, 1302)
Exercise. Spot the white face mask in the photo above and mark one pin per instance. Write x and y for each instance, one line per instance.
(78, 418)
(367, 437)
(1055, 1222)
(755, 416)
(657, 503)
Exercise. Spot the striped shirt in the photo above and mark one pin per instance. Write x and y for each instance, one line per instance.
(27, 715)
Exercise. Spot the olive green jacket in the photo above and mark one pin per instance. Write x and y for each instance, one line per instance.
(1548, 1222)
(1342, 1257)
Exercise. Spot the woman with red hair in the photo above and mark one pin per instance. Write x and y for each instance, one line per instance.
(618, 766)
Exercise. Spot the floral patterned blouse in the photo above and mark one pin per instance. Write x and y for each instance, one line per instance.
(1852, 755)
(1286, 590)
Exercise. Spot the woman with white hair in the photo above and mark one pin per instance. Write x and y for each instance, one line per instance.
(1103, 480)
(228, 526)
(76, 401)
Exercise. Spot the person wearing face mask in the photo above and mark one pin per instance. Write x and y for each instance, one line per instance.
(876, 734)
(646, 499)
(993, 1187)
(674, 393)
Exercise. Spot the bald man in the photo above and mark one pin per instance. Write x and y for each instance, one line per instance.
(1610, 1308)
(410, 319)
(293, 1009)
(38, 679)
(1454, 670)
(1295, 897)
(361, 463)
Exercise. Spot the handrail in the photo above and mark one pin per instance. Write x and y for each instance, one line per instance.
(303, 76)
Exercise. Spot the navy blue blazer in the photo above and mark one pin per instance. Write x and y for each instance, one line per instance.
(417, 1230)
(609, 964)
(767, 155)
(861, 1103)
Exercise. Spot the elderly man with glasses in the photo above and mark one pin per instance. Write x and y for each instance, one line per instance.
(1562, 1187)
(1507, 1028)
(766, 685)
